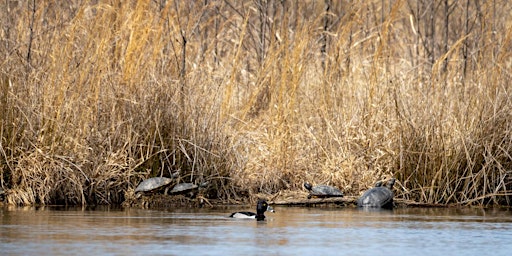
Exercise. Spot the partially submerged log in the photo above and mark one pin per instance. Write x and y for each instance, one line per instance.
(345, 201)
(410, 203)
(317, 201)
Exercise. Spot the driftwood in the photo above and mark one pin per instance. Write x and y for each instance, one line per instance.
(410, 203)
(316, 201)
(346, 201)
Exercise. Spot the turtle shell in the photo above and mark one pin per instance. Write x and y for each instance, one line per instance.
(322, 191)
(152, 184)
(183, 188)
(378, 196)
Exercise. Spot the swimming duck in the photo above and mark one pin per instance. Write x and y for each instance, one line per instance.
(261, 207)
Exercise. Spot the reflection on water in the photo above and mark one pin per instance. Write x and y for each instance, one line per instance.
(289, 231)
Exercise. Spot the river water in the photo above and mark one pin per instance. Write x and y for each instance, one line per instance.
(288, 231)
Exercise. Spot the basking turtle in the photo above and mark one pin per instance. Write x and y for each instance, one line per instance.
(152, 185)
(378, 196)
(189, 189)
(322, 191)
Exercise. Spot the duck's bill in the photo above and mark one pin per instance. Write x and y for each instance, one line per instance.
(270, 209)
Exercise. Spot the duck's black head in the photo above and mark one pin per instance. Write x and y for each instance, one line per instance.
(261, 208)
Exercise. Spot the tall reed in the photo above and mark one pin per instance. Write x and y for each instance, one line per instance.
(257, 97)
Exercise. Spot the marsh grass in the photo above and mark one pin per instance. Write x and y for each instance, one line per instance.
(255, 96)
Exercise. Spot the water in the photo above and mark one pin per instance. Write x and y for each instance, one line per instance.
(289, 231)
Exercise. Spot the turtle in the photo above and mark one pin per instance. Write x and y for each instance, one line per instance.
(322, 191)
(187, 188)
(152, 185)
(378, 197)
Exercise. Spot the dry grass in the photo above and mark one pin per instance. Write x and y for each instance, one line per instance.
(256, 96)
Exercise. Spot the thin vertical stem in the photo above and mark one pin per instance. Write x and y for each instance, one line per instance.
(31, 34)
(323, 48)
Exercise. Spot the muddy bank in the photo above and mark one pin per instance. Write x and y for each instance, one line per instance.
(284, 198)
(162, 200)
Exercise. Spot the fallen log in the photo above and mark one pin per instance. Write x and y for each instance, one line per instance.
(316, 201)
(345, 201)
(410, 203)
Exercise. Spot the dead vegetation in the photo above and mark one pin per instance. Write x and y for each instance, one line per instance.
(256, 97)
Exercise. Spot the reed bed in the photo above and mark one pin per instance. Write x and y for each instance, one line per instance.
(256, 97)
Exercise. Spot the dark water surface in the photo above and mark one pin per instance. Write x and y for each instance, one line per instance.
(289, 231)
